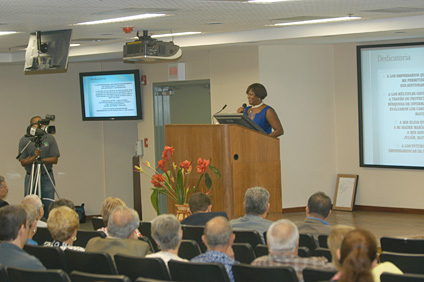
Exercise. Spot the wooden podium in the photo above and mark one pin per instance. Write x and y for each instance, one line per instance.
(245, 158)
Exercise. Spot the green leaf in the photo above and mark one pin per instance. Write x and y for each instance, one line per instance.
(208, 181)
(180, 187)
(217, 172)
(154, 198)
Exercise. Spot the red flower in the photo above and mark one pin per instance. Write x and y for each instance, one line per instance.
(186, 165)
(157, 180)
(167, 153)
(202, 165)
(161, 165)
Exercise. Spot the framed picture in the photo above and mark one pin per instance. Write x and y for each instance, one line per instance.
(344, 198)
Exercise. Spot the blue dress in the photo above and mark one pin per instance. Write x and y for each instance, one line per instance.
(260, 118)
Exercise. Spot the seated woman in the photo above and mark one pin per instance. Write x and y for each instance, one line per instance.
(334, 242)
(358, 259)
(263, 115)
(109, 204)
(63, 224)
(32, 216)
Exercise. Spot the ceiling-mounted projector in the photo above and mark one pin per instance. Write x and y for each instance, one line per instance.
(148, 49)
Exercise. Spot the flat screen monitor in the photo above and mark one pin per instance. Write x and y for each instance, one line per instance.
(111, 95)
(240, 119)
(391, 105)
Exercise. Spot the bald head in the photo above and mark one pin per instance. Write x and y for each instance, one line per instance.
(123, 222)
(218, 232)
(282, 236)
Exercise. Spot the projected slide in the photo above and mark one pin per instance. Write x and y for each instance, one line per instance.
(110, 95)
(391, 98)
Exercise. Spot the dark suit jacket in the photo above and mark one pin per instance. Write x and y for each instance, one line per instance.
(200, 219)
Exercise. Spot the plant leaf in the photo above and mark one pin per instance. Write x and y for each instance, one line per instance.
(154, 198)
(217, 172)
(208, 181)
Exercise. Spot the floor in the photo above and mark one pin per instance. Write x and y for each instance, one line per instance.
(380, 223)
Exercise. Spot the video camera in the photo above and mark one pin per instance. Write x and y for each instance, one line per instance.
(42, 127)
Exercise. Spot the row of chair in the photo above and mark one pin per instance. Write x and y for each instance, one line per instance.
(83, 236)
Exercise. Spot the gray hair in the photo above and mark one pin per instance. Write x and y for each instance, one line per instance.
(256, 200)
(218, 232)
(166, 230)
(32, 213)
(122, 222)
(282, 236)
(33, 200)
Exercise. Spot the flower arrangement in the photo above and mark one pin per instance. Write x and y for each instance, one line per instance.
(173, 182)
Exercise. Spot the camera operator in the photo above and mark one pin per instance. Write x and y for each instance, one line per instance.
(48, 151)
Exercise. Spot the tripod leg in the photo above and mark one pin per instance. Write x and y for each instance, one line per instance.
(51, 180)
(31, 183)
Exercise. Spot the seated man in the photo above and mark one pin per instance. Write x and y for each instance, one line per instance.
(35, 201)
(60, 203)
(219, 239)
(256, 207)
(283, 241)
(13, 236)
(123, 239)
(3, 192)
(166, 230)
(318, 209)
(200, 206)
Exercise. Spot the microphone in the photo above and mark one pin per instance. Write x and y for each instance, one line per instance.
(221, 109)
(244, 106)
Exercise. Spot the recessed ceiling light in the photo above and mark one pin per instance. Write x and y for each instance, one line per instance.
(318, 21)
(7, 32)
(123, 19)
(176, 34)
(265, 1)
(74, 44)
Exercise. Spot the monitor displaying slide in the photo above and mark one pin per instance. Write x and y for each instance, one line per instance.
(391, 105)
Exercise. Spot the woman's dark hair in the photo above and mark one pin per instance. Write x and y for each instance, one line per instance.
(258, 89)
(358, 251)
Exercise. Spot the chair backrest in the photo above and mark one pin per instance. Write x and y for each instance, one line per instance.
(323, 252)
(147, 240)
(3, 274)
(243, 252)
(199, 272)
(249, 273)
(307, 240)
(145, 229)
(28, 275)
(323, 241)
(189, 249)
(134, 267)
(97, 222)
(142, 279)
(78, 276)
(50, 257)
(99, 263)
(390, 277)
(194, 233)
(408, 263)
(42, 235)
(315, 275)
(248, 236)
(402, 245)
(303, 252)
(83, 236)
(261, 250)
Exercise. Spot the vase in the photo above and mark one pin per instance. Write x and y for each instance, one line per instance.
(182, 211)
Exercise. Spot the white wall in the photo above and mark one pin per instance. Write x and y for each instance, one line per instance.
(95, 157)
(300, 84)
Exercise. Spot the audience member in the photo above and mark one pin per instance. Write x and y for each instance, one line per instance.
(122, 226)
(218, 238)
(62, 202)
(32, 215)
(358, 259)
(3, 192)
(166, 230)
(256, 207)
(335, 240)
(35, 201)
(283, 242)
(63, 224)
(200, 207)
(318, 209)
(13, 236)
(109, 204)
